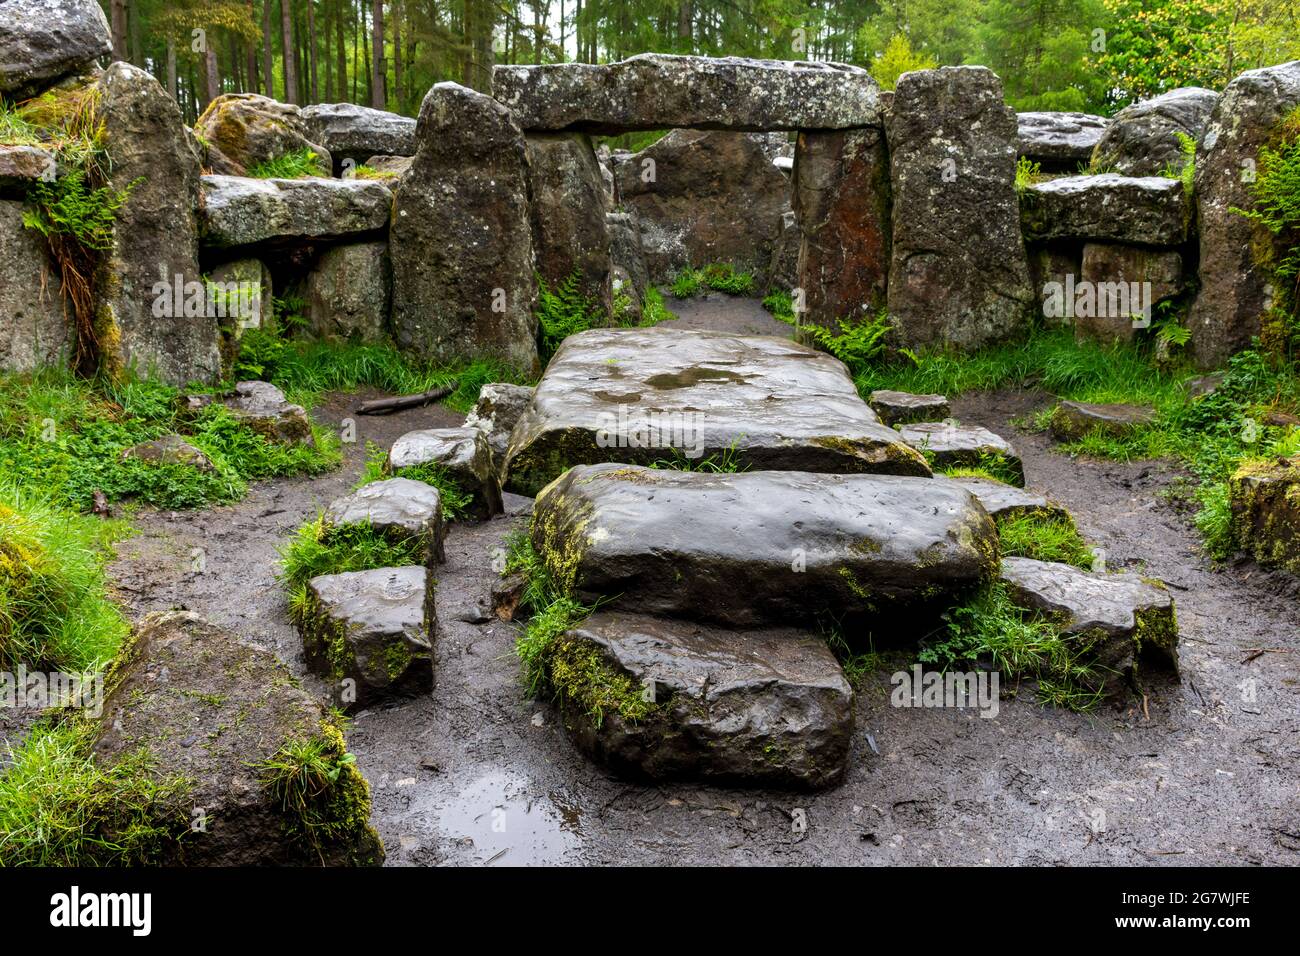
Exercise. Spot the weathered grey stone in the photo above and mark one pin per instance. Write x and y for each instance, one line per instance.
(568, 215)
(398, 508)
(625, 251)
(958, 273)
(42, 41)
(349, 292)
(464, 455)
(952, 445)
(352, 132)
(1001, 500)
(1235, 291)
(1265, 501)
(390, 168)
(841, 202)
(238, 211)
(1114, 272)
(1120, 620)
(1054, 267)
(242, 130)
(23, 166)
(262, 407)
(1146, 210)
(1072, 420)
(900, 408)
(245, 289)
(1142, 139)
(499, 408)
(213, 711)
(464, 286)
(155, 245)
(656, 91)
(170, 450)
(767, 708)
(33, 330)
(783, 270)
(1202, 385)
(370, 634)
(641, 395)
(704, 197)
(758, 547)
(1059, 141)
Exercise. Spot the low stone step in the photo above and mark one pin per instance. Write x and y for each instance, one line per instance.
(679, 700)
(239, 211)
(263, 407)
(1001, 500)
(1072, 420)
(1265, 499)
(759, 547)
(953, 445)
(370, 634)
(645, 395)
(1123, 619)
(463, 454)
(1141, 210)
(398, 508)
(901, 408)
(212, 711)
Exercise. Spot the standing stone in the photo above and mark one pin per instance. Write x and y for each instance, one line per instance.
(463, 281)
(155, 244)
(841, 201)
(625, 251)
(242, 130)
(1235, 291)
(42, 41)
(1142, 139)
(349, 291)
(958, 274)
(33, 331)
(783, 270)
(568, 215)
(704, 198)
(500, 406)
(1111, 267)
(244, 288)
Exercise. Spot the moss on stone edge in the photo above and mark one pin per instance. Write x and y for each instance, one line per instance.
(583, 680)
(1265, 503)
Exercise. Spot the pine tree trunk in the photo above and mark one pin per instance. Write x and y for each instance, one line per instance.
(378, 99)
(342, 50)
(212, 76)
(171, 70)
(268, 61)
(286, 39)
(118, 14)
(397, 54)
(311, 49)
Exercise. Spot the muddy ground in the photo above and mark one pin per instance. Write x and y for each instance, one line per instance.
(478, 774)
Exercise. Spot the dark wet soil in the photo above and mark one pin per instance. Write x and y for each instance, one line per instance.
(719, 312)
(478, 774)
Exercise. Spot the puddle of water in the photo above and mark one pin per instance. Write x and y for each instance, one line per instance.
(509, 823)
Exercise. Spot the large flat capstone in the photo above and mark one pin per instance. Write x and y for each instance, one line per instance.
(752, 548)
(656, 90)
(238, 211)
(644, 395)
(352, 132)
(756, 707)
(1146, 210)
(1059, 140)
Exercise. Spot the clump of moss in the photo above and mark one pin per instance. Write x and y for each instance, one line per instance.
(584, 681)
(1043, 537)
(320, 547)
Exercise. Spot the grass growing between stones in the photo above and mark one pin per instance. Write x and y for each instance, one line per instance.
(65, 435)
(456, 501)
(564, 310)
(299, 164)
(990, 629)
(1044, 538)
(719, 276)
(59, 808)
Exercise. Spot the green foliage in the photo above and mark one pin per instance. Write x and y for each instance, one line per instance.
(726, 462)
(1020, 645)
(857, 665)
(1028, 172)
(719, 276)
(59, 808)
(899, 58)
(1044, 538)
(298, 164)
(857, 344)
(563, 311)
(1275, 194)
(70, 207)
(1186, 171)
(318, 548)
(653, 310)
(456, 500)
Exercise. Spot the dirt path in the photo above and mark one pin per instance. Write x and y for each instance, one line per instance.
(478, 774)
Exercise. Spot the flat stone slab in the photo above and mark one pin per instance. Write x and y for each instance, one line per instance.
(640, 395)
(1142, 138)
(1059, 139)
(263, 407)
(213, 710)
(1001, 500)
(953, 445)
(239, 211)
(42, 41)
(23, 166)
(761, 708)
(463, 454)
(1072, 420)
(1265, 501)
(370, 634)
(1119, 617)
(1145, 210)
(900, 408)
(355, 132)
(398, 508)
(759, 547)
(656, 90)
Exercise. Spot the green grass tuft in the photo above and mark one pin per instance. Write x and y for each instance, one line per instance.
(298, 164)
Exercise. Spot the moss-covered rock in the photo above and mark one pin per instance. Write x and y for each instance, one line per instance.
(267, 779)
(243, 130)
(1265, 501)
